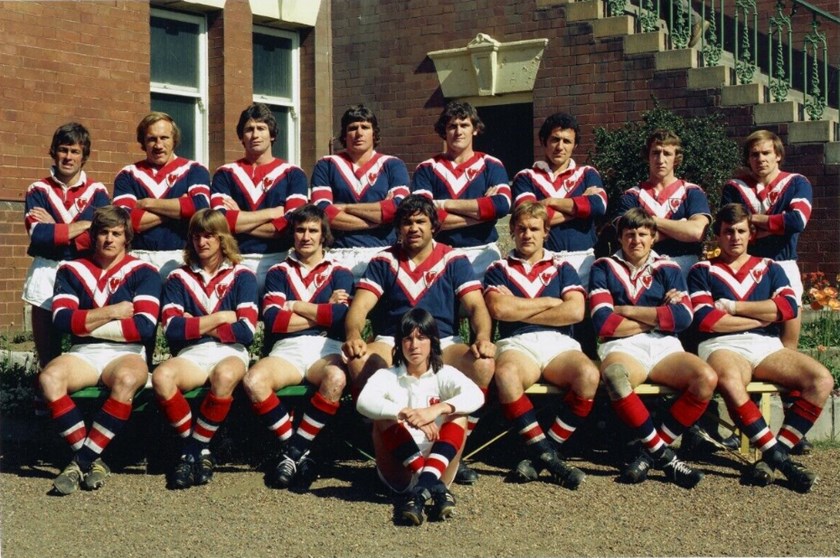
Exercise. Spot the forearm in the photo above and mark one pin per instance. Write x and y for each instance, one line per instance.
(367, 211)
(463, 208)
(562, 205)
(454, 221)
(510, 308)
(77, 228)
(688, 230)
(735, 324)
(643, 314)
(762, 310)
(170, 209)
(567, 313)
(345, 221)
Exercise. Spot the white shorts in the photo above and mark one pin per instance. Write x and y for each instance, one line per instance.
(794, 277)
(444, 341)
(302, 352)
(260, 264)
(166, 261)
(355, 259)
(100, 355)
(541, 346)
(481, 257)
(207, 355)
(581, 260)
(751, 346)
(648, 348)
(39, 284)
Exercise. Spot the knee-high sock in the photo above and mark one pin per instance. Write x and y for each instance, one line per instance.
(211, 414)
(799, 418)
(318, 413)
(274, 416)
(475, 416)
(633, 413)
(178, 413)
(107, 423)
(574, 411)
(399, 443)
(684, 412)
(748, 418)
(442, 453)
(521, 413)
(70, 422)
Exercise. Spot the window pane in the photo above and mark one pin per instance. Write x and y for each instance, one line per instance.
(281, 144)
(174, 52)
(183, 110)
(272, 66)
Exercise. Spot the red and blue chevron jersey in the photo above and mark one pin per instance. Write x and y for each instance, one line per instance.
(336, 179)
(274, 184)
(189, 290)
(544, 278)
(758, 279)
(439, 178)
(180, 179)
(614, 282)
(435, 285)
(679, 200)
(66, 204)
(289, 281)
(536, 184)
(81, 285)
(787, 200)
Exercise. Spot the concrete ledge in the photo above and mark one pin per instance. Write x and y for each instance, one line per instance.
(578, 12)
(712, 77)
(827, 426)
(680, 59)
(738, 95)
(832, 153)
(770, 113)
(618, 26)
(644, 43)
(817, 131)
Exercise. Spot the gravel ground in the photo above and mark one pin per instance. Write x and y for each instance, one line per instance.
(347, 514)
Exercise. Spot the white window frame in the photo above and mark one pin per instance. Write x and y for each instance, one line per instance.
(293, 102)
(200, 92)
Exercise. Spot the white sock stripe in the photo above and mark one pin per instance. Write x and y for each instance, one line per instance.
(77, 426)
(102, 430)
(184, 420)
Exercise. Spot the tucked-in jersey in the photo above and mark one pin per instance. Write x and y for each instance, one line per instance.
(440, 178)
(274, 184)
(758, 279)
(786, 200)
(542, 279)
(66, 204)
(536, 184)
(180, 179)
(189, 294)
(289, 281)
(679, 200)
(614, 282)
(81, 286)
(383, 180)
(435, 285)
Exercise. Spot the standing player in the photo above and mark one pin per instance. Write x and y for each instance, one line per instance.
(257, 191)
(469, 189)
(679, 209)
(535, 300)
(740, 302)
(209, 318)
(109, 304)
(58, 210)
(304, 306)
(779, 204)
(639, 303)
(419, 272)
(418, 408)
(360, 190)
(573, 194)
(162, 192)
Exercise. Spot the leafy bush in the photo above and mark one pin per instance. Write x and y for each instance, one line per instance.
(709, 156)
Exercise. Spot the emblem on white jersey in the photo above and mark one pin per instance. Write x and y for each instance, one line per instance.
(741, 284)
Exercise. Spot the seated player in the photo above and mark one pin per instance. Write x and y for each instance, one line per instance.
(109, 304)
(304, 306)
(535, 301)
(419, 408)
(419, 272)
(740, 303)
(209, 318)
(639, 304)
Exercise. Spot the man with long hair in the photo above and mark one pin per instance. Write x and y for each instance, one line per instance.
(209, 317)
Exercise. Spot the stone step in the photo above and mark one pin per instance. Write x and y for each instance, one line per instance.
(581, 12)
(814, 131)
(644, 43)
(740, 95)
(612, 27)
(680, 59)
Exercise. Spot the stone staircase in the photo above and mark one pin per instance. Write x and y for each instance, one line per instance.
(721, 78)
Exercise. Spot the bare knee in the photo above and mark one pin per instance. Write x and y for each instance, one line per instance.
(225, 378)
(482, 371)
(586, 382)
(257, 383)
(163, 379)
(333, 383)
(53, 381)
(126, 382)
(617, 381)
(704, 382)
(508, 382)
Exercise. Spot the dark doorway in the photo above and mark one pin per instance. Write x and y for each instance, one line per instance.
(508, 135)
